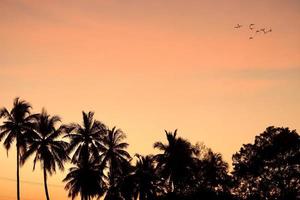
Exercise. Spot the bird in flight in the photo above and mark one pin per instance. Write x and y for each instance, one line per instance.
(238, 26)
(251, 38)
(263, 30)
(251, 26)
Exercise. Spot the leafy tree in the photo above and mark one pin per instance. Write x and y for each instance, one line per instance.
(270, 167)
(45, 143)
(18, 121)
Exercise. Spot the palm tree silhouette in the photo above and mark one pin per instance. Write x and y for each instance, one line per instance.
(211, 173)
(86, 139)
(45, 142)
(86, 179)
(176, 161)
(114, 155)
(148, 183)
(18, 121)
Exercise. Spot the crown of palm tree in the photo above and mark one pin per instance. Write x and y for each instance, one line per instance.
(116, 158)
(45, 142)
(176, 160)
(85, 140)
(86, 179)
(148, 183)
(18, 121)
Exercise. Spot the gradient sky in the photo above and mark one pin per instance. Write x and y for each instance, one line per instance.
(150, 65)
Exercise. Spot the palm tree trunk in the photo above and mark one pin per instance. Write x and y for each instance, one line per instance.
(18, 173)
(45, 184)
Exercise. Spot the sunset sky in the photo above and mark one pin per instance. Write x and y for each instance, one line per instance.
(150, 65)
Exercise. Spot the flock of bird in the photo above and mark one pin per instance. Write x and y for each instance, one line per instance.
(254, 31)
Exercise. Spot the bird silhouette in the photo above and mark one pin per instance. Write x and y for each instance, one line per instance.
(238, 26)
(263, 30)
(251, 38)
(251, 26)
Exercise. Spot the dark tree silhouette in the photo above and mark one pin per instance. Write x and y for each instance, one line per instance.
(148, 184)
(142, 181)
(176, 162)
(208, 178)
(115, 156)
(45, 143)
(86, 179)
(211, 172)
(211, 179)
(269, 168)
(85, 140)
(18, 121)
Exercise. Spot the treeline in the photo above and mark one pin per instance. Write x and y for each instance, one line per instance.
(268, 169)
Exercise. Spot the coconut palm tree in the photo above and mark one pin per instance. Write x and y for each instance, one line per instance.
(148, 184)
(46, 146)
(18, 121)
(85, 140)
(114, 155)
(86, 179)
(176, 161)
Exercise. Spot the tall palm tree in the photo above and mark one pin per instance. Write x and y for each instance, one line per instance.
(86, 179)
(18, 121)
(176, 160)
(115, 155)
(45, 142)
(85, 140)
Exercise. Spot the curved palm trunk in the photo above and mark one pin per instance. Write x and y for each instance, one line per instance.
(45, 184)
(18, 173)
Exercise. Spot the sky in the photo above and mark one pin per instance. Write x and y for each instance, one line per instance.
(147, 66)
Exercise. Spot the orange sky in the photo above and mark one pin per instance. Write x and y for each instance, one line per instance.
(146, 66)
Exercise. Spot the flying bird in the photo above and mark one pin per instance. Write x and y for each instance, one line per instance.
(251, 38)
(251, 26)
(263, 30)
(238, 26)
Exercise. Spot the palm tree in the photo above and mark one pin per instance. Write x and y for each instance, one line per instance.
(44, 141)
(176, 161)
(214, 170)
(115, 155)
(86, 179)
(85, 140)
(18, 121)
(148, 184)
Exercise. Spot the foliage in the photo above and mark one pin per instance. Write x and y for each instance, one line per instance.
(269, 168)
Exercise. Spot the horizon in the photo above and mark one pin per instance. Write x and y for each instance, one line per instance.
(146, 67)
